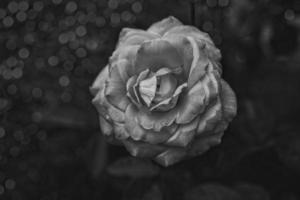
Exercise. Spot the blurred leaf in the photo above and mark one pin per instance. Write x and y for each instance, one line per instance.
(212, 192)
(252, 192)
(254, 124)
(96, 154)
(133, 167)
(288, 148)
(154, 193)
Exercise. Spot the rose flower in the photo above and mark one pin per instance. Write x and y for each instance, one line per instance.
(161, 94)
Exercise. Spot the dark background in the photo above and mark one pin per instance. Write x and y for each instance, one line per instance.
(50, 142)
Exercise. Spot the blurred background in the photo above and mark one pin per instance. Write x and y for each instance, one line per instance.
(50, 142)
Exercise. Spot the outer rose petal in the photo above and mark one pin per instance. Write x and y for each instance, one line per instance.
(120, 132)
(105, 126)
(170, 156)
(98, 84)
(130, 36)
(192, 104)
(128, 53)
(199, 64)
(189, 31)
(108, 111)
(184, 134)
(210, 118)
(115, 89)
(228, 101)
(199, 36)
(197, 99)
(143, 149)
(164, 25)
(157, 54)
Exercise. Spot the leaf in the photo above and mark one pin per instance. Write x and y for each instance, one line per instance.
(154, 193)
(252, 192)
(212, 192)
(288, 148)
(96, 154)
(133, 167)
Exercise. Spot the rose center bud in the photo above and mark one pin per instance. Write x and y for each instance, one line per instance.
(147, 89)
(165, 87)
(157, 88)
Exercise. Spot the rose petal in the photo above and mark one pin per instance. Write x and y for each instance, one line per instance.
(156, 120)
(170, 102)
(190, 31)
(184, 134)
(131, 93)
(98, 84)
(164, 25)
(192, 104)
(105, 126)
(107, 110)
(165, 105)
(184, 47)
(210, 118)
(138, 133)
(197, 98)
(115, 89)
(142, 149)
(147, 89)
(163, 71)
(120, 131)
(228, 99)
(170, 156)
(142, 76)
(167, 87)
(199, 36)
(199, 64)
(157, 54)
(211, 85)
(126, 52)
(131, 36)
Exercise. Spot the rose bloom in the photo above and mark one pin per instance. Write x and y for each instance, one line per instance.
(161, 94)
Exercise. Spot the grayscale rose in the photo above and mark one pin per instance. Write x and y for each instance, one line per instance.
(161, 95)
